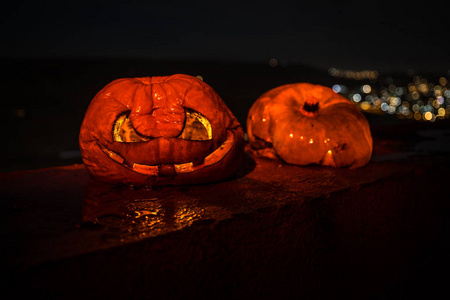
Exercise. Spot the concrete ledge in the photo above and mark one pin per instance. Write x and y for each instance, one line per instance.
(274, 231)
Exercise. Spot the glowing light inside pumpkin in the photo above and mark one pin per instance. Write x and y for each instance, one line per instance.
(196, 128)
(328, 160)
(137, 131)
(124, 132)
(211, 159)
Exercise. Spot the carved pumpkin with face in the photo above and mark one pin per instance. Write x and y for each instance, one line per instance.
(306, 124)
(160, 131)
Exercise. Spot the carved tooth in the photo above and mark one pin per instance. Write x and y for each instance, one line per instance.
(184, 168)
(211, 159)
(113, 155)
(146, 170)
(220, 152)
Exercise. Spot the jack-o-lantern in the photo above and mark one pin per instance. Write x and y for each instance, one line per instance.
(168, 130)
(304, 124)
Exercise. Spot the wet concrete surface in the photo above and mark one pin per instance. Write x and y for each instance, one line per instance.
(274, 230)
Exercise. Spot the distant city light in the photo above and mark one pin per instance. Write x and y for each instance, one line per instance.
(413, 97)
(273, 62)
(366, 88)
(356, 75)
(336, 88)
(356, 97)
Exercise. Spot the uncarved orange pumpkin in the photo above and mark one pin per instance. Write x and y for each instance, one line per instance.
(304, 124)
(160, 131)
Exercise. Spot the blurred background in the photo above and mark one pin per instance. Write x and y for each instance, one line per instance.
(391, 58)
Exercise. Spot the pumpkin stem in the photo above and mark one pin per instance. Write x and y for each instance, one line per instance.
(310, 108)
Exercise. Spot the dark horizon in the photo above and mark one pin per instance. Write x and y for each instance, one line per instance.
(385, 36)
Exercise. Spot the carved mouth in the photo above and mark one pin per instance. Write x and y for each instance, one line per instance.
(196, 128)
(175, 169)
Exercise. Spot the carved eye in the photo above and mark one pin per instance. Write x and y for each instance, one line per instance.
(196, 128)
(124, 132)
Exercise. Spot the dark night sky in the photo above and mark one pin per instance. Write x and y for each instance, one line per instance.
(382, 35)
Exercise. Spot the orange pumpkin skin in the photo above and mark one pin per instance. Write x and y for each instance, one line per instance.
(304, 124)
(156, 109)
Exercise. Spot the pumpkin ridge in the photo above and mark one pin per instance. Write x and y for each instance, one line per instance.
(309, 124)
(185, 161)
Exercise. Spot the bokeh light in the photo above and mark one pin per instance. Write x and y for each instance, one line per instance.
(417, 97)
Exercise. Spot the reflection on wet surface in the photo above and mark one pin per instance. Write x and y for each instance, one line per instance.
(63, 213)
(137, 213)
(126, 214)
